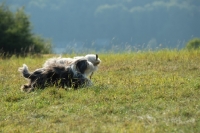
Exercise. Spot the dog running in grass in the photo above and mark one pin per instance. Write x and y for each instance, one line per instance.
(57, 75)
(92, 58)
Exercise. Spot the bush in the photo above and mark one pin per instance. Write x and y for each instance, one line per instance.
(193, 44)
(16, 36)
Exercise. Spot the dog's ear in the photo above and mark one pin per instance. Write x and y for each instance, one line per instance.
(96, 56)
(81, 65)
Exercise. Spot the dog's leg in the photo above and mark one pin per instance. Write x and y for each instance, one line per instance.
(91, 75)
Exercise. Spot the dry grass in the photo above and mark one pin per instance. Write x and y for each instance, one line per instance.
(132, 92)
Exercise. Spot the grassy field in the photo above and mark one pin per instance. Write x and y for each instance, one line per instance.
(131, 92)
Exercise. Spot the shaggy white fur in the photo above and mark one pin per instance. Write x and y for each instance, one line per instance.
(92, 59)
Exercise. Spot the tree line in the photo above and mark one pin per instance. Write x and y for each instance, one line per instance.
(16, 35)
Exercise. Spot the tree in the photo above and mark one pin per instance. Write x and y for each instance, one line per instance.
(16, 36)
(193, 44)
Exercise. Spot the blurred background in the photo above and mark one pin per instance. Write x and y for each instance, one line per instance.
(112, 25)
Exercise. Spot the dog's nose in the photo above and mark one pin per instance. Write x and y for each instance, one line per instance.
(96, 63)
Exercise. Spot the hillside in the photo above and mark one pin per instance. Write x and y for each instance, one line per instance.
(131, 92)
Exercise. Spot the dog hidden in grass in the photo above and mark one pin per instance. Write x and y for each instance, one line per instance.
(72, 75)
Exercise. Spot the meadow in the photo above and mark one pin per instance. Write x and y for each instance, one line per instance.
(137, 92)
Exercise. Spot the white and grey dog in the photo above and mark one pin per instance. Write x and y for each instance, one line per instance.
(92, 59)
(61, 72)
(57, 75)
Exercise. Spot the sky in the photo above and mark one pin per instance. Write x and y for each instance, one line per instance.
(103, 23)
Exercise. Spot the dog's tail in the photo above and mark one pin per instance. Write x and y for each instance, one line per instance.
(24, 70)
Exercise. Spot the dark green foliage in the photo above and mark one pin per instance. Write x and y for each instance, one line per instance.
(193, 44)
(16, 36)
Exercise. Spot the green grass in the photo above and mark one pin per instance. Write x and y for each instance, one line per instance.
(131, 92)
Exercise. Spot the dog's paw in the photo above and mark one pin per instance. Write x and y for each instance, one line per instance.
(26, 88)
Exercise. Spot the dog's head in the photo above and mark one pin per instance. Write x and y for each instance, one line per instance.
(80, 65)
(93, 58)
(83, 66)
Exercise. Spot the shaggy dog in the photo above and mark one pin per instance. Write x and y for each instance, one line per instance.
(57, 75)
(69, 61)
